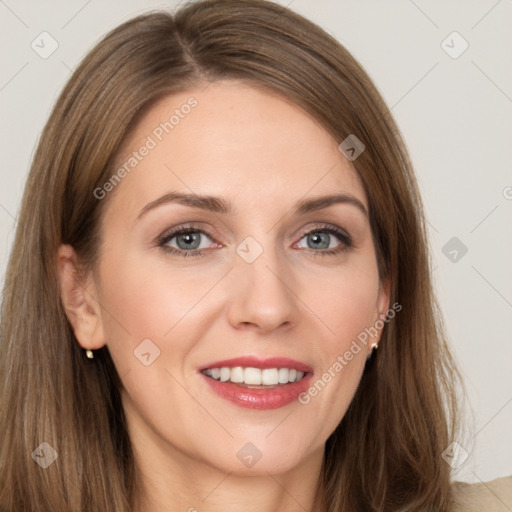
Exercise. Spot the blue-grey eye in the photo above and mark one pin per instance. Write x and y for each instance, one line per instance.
(188, 240)
(319, 240)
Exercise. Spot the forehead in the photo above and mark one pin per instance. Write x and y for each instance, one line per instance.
(233, 140)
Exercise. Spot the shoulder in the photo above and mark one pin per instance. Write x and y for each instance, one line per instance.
(493, 496)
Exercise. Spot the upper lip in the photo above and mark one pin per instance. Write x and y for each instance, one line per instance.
(260, 362)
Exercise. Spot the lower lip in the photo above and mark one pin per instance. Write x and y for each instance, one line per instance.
(259, 398)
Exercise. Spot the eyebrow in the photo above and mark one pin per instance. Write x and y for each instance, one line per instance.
(220, 205)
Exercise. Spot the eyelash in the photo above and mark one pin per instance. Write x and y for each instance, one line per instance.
(343, 237)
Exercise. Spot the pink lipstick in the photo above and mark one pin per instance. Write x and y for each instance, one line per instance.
(258, 383)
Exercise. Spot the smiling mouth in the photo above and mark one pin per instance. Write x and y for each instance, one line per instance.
(255, 377)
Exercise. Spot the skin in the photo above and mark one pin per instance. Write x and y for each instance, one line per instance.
(263, 154)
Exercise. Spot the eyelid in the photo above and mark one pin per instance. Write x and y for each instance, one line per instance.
(326, 226)
(173, 232)
(343, 236)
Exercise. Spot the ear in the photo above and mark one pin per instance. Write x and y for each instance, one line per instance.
(383, 297)
(382, 307)
(79, 298)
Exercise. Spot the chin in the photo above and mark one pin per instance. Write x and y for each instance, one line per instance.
(257, 456)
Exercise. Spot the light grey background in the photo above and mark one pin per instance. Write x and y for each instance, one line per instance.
(455, 114)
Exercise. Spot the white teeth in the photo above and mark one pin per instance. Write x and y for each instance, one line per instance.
(255, 376)
(237, 374)
(283, 375)
(270, 376)
(252, 376)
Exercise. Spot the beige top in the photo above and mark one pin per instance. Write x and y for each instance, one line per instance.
(493, 496)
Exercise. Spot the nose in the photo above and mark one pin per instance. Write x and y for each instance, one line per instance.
(261, 294)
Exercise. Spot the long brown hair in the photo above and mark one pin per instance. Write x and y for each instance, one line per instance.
(386, 452)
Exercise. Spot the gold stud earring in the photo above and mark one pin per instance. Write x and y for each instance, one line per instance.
(89, 354)
(374, 346)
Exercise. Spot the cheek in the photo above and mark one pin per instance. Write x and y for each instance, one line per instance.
(150, 328)
(146, 298)
(345, 300)
(137, 304)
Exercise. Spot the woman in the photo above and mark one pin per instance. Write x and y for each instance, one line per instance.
(173, 337)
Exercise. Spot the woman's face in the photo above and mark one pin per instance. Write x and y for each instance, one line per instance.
(259, 280)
